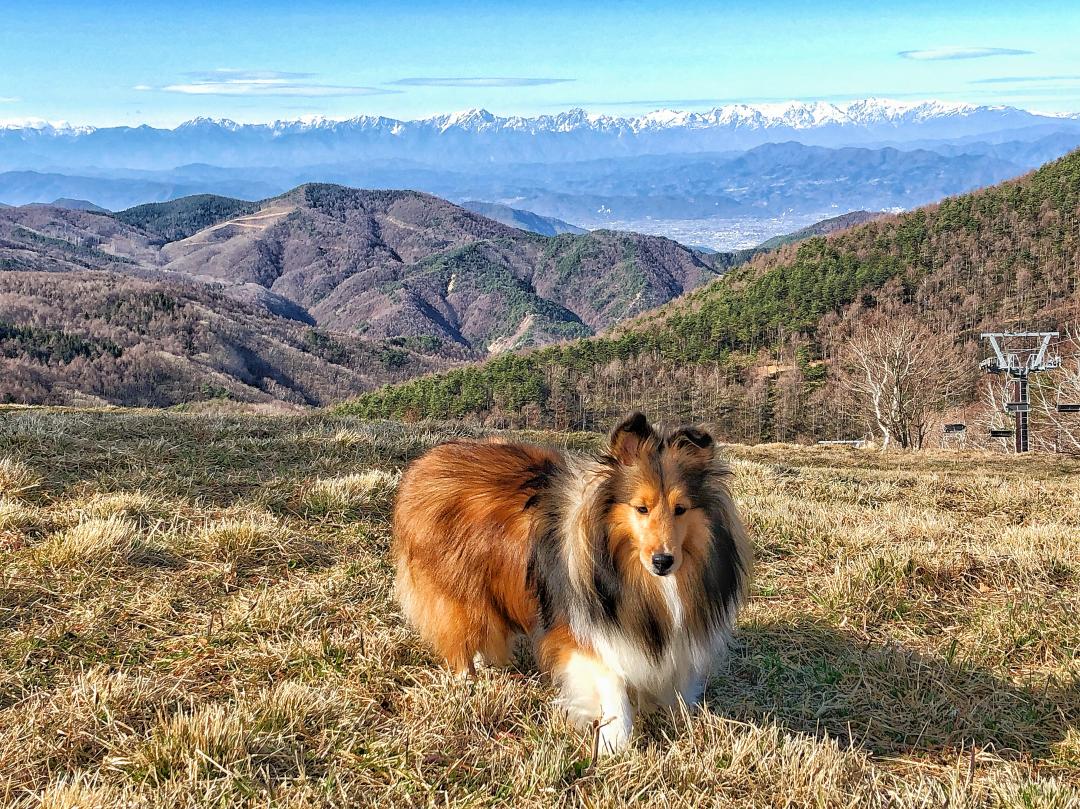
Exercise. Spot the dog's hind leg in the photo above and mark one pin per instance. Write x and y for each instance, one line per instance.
(497, 649)
(457, 636)
(447, 624)
(691, 689)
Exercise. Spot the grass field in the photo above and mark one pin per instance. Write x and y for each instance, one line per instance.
(197, 611)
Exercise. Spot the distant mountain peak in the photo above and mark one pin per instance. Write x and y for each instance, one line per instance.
(204, 122)
(473, 119)
(45, 127)
(371, 145)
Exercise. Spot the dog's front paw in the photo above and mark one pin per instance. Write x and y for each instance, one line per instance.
(613, 735)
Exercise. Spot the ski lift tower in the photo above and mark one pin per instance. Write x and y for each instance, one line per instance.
(1018, 355)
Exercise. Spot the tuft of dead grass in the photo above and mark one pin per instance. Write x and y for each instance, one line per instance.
(17, 516)
(74, 793)
(94, 541)
(16, 478)
(350, 495)
(239, 540)
(136, 506)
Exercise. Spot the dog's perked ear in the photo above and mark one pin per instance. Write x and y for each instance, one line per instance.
(693, 444)
(627, 439)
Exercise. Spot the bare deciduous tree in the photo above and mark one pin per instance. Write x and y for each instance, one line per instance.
(902, 373)
(992, 414)
(1065, 389)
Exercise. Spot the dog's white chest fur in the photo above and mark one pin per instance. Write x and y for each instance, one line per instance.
(679, 670)
(669, 587)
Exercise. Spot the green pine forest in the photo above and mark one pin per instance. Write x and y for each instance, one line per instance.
(754, 352)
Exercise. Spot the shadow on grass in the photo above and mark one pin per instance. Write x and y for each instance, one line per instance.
(814, 678)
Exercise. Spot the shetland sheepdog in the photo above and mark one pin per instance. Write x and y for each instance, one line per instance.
(627, 569)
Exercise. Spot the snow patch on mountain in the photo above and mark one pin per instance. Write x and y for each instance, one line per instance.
(41, 126)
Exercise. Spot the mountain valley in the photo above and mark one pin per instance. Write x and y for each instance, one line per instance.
(756, 351)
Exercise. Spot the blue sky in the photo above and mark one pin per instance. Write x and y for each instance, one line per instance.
(162, 63)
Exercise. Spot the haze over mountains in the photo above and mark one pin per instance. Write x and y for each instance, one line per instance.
(727, 178)
(526, 220)
(479, 136)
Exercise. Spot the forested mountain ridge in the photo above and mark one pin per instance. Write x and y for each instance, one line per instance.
(752, 350)
(822, 228)
(92, 337)
(404, 263)
(379, 263)
(184, 217)
(395, 275)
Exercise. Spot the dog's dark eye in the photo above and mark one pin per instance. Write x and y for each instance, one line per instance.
(680, 510)
(642, 509)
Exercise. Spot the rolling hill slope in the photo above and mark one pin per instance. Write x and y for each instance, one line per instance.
(402, 263)
(751, 351)
(385, 275)
(92, 337)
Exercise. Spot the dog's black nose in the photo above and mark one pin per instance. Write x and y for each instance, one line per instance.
(662, 563)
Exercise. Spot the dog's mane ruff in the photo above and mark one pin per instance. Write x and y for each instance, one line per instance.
(588, 481)
(719, 477)
(619, 610)
(560, 560)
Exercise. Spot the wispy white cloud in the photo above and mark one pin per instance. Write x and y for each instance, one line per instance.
(1025, 79)
(955, 52)
(9, 99)
(233, 88)
(477, 81)
(235, 82)
(238, 74)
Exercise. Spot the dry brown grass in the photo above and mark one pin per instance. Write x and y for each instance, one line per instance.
(350, 494)
(91, 542)
(195, 610)
(16, 478)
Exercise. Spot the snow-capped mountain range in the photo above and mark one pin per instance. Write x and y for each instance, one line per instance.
(479, 136)
(869, 112)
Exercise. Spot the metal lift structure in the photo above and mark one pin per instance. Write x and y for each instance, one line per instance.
(1018, 355)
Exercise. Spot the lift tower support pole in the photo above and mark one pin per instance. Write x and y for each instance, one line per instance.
(1019, 363)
